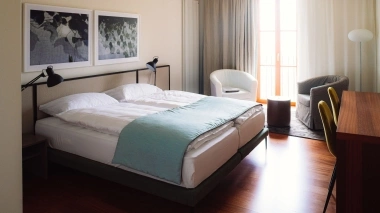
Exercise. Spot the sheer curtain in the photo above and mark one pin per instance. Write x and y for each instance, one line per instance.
(227, 37)
(323, 45)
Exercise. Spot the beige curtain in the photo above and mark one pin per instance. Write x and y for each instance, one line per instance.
(323, 44)
(227, 38)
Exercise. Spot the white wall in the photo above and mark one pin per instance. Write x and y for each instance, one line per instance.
(10, 107)
(161, 35)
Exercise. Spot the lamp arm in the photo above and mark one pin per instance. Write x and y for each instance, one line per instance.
(32, 81)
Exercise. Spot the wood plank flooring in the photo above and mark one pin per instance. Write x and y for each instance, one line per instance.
(291, 176)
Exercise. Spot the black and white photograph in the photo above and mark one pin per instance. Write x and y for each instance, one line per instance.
(56, 36)
(116, 37)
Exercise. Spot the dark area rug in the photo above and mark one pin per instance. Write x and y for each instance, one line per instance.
(297, 129)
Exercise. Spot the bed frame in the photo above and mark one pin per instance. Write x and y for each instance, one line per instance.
(99, 83)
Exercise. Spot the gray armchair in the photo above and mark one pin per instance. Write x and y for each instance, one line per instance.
(313, 90)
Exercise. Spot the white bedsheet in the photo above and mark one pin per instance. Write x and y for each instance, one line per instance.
(111, 119)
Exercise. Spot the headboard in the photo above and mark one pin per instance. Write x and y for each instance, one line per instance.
(39, 93)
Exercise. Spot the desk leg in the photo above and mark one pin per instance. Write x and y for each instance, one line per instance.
(349, 177)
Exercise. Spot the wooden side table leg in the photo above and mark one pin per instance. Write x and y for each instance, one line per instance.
(44, 163)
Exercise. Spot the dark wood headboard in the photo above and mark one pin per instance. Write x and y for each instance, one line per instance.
(38, 93)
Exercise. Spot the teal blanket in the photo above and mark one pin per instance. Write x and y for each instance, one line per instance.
(155, 144)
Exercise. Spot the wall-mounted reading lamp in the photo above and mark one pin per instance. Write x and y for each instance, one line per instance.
(53, 79)
(152, 66)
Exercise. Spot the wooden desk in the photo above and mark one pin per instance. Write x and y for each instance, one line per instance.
(358, 153)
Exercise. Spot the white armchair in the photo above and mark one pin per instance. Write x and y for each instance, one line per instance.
(226, 78)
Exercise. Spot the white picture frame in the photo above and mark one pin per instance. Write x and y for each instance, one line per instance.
(116, 37)
(57, 36)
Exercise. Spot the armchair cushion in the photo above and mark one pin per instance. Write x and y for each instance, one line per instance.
(241, 80)
(304, 99)
(242, 95)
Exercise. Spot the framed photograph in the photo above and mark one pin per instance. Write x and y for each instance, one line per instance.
(116, 37)
(57, 36)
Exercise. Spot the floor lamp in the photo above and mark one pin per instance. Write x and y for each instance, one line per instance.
(360, 35)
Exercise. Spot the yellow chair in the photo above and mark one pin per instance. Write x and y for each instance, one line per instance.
(335, 103)
(329, 127)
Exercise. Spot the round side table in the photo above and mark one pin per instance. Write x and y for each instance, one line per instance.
(278, 111)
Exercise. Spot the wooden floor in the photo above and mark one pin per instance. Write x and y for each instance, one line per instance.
(292, 175)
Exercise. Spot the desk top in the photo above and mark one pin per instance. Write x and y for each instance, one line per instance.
(359, 116)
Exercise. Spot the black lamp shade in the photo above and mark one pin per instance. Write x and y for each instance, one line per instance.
(152, 65)
(53, 79)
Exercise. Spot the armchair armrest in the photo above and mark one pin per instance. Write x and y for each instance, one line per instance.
(248, 82)
(216, 86)
(320, 90)
(305, 86)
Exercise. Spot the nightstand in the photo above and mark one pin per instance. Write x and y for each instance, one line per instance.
(34, 154)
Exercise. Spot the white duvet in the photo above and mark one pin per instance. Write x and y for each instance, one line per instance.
(111, 119)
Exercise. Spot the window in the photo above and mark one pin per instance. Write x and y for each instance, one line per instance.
(277, 69)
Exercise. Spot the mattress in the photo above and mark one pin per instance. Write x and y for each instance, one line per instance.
(198, 163)
(249, 124)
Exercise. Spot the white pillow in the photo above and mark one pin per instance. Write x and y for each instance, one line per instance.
(76, 101)
(129, 92)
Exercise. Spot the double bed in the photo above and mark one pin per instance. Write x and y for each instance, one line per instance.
(86, 138)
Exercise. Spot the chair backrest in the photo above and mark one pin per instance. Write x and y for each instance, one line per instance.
(328, 126)
(335, 103)
(229, 77)
(233, 78)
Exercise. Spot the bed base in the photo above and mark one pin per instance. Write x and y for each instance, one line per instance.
(189, 197)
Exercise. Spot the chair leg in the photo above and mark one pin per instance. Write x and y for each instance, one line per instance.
(331, 187)
(266, 141)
